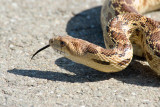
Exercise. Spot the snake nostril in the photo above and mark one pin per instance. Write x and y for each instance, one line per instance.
(51, 41)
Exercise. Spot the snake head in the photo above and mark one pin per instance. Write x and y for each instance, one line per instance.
(68, 46)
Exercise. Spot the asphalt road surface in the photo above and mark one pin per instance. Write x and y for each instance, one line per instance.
(54, 81)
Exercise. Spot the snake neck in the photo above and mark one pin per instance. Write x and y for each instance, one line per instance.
(99, 58)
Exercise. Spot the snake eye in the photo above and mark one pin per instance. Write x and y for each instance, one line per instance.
(62, 44)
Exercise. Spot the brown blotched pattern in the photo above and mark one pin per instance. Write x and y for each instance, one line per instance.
(108, 53)
(124, 62)
(144, 31)
(91, 48)
(123, 6)
(157, 53)
(149, 56)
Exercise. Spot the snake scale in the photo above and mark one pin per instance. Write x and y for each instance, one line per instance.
(126, 32)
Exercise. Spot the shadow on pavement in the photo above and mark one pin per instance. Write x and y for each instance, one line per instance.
(85, 74)
(86, 25)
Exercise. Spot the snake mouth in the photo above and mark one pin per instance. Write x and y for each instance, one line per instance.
(41, 49)
(59, 51)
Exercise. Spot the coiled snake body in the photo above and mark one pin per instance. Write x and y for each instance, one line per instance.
(124, 30)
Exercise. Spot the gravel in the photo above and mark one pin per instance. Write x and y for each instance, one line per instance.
(52, 80)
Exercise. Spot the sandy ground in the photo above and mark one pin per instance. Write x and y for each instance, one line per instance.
(52, 80)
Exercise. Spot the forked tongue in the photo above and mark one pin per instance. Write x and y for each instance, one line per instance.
(39, 51)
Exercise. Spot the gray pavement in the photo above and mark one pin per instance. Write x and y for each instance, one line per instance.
(54, 81)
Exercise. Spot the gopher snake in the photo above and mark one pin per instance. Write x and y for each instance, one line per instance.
(124, 30)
